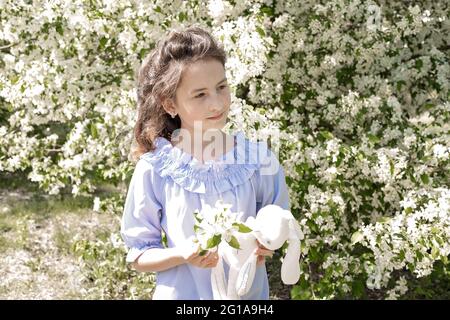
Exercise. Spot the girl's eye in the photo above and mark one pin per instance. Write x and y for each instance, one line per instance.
(203, 94)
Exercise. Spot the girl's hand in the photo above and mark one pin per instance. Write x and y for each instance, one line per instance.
(190, 252)
(262, 252)
(208, 260)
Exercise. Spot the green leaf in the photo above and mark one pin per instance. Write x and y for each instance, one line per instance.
(360, 155)
(373, 138)
(428, 106)
(142, 53)
(312, 226)
(419, 64)
(199, 220)
(94, 132)
(103, 41)
(267, 10)
(14, 78)
(434, 229)
(378, 239)
(182, 16)
(59, 28)
(340, 157)
(434, 252)
(242, 227)
(401, 254)
(213, 241)
(326, 134)
(260, 31)
(400, 84)
(425, 178)
(202, 252)
(314, 254)
(408, 210)
(234, 242)
(356, 237)
(391, 167)
(383, 219)
(358, 288)
(344, 75)
(299, 293)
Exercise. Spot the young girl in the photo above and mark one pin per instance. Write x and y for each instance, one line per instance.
(182, 97)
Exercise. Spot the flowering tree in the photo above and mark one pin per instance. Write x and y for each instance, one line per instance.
(357, 91)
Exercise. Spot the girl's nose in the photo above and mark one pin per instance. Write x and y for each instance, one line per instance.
(217, 105)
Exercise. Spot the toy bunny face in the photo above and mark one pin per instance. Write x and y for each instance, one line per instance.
(271, 226)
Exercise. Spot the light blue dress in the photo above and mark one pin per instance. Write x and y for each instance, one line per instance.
(169, 184)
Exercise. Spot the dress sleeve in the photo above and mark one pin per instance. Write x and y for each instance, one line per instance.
(272, 185)
(140, 225)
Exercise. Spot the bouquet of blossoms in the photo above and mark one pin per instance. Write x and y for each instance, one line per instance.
(216, 224)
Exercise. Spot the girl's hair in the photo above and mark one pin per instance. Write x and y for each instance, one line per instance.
(158, 79)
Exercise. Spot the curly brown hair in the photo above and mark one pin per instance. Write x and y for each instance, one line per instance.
(158, 78)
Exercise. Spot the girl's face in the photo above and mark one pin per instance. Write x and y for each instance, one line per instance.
(203, 96)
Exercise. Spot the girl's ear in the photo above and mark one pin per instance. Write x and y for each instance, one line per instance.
(169, 106)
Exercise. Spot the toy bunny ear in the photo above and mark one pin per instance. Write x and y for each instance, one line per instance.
(246, 275)
(218, 281)
(295, 227)
(290, 268)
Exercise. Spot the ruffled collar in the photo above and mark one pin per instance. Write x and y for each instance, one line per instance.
(214, 176)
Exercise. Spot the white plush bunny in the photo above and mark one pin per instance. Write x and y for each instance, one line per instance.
(272, 227)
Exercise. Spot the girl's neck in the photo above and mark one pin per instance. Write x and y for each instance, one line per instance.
(205, 146)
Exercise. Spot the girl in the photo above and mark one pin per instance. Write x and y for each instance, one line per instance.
(183, 96)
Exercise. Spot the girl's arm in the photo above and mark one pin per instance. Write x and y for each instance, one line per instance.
(157, 259)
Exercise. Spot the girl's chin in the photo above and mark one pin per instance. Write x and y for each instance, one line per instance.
(216, 124)
(214, 127)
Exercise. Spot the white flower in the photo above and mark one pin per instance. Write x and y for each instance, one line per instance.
(9, 59)
(426, 16)
(127, 38)
(96, 204)
(216, 8)
(116, 241)
(216, 221)
(424, 118)
(440, 151)
(75, 189)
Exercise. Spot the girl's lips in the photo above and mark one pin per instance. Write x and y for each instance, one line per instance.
(217, 118)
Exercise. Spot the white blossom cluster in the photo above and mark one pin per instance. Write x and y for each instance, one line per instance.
(214, 224)
(356, 93)
(413, 238)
